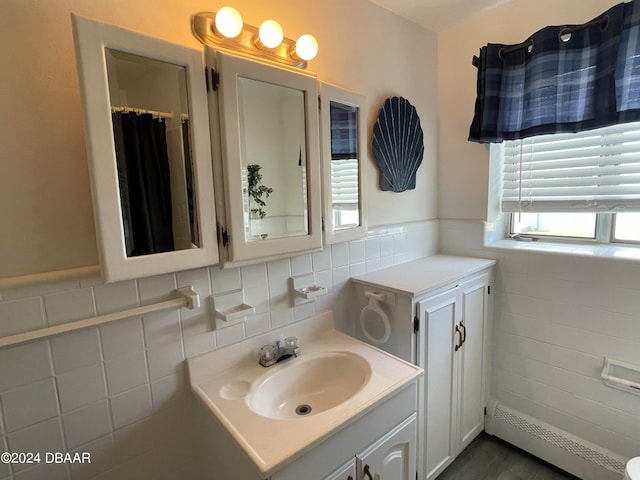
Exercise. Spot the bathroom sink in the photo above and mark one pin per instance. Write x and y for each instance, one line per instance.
(278, 413)
(309, 385)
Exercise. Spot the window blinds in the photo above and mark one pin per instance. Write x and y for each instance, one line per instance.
(344, 184)
(591, 171)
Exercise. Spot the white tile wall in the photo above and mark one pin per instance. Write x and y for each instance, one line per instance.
(81, 387)
(29, 404)
(86, 424)
(556, 317)
(120, 391)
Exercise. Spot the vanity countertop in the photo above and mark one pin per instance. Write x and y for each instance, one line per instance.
(224, 380)
(420, 276)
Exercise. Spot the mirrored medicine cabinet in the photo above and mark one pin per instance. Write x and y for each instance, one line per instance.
(344, 145)
(147, 136)
(175, 186)
(268, 156)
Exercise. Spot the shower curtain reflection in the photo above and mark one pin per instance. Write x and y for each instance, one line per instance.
(189, 171)
(144, 181)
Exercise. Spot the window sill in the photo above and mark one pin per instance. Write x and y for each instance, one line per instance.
(614, 252)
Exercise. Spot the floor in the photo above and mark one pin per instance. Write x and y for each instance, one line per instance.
(489, 458)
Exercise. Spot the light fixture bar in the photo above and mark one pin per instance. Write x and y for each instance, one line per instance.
(203, 28)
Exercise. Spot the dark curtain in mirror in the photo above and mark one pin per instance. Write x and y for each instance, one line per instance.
(188, 164)
(144, 181)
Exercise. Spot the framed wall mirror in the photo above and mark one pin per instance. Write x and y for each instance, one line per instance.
(146, 128)
(343, 117)
(268, 120)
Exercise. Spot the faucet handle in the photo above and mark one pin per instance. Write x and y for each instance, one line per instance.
(291, 342)
(268, 352)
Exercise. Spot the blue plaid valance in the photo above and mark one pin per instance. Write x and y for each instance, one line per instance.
(563, 79)
(344, 131)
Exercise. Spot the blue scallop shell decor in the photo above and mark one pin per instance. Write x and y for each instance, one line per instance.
(398, 145)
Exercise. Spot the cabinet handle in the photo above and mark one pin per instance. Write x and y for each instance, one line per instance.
(367, 472)
(459, 332)
(464, 332)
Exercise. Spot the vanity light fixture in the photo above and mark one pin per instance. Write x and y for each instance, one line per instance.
(226, 31)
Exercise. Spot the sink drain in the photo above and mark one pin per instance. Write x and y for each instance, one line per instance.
(303, 409)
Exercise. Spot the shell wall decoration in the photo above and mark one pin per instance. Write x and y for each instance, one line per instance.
(398, 145)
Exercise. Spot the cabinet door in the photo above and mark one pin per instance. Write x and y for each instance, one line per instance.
(439, 317)
(393, 457)
(345, 472)
(474, 308)
(271, 169)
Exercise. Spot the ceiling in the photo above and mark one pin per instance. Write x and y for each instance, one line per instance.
(438, 15)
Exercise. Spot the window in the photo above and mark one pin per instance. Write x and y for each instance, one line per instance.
(578, 186)
(571, 225)
(626, 228)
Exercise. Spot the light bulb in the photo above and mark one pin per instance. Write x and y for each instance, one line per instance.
(228, 22)
(270, 34)
(306, 47)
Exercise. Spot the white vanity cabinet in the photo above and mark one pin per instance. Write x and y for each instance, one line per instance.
(439, 311)
(392, 457)
(345, 472)
(382, 441)
(453, 338)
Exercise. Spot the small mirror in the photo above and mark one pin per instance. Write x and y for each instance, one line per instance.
(153, 153)
(269, 155)
(147, 140)
(343, 149)
(273, 152)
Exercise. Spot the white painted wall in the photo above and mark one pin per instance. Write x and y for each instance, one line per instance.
(556, 315)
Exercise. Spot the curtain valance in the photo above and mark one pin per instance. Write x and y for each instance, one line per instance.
(567, 78)
(344, 131)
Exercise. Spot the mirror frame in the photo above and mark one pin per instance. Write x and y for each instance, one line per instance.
(230, 67)
(330, 93)
(91, 40)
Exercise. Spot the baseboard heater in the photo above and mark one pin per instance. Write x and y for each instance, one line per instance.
(562, 449)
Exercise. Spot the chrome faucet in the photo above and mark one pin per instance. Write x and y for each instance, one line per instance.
(274, 353)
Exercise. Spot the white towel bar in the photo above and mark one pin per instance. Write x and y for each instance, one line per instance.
(188, 298)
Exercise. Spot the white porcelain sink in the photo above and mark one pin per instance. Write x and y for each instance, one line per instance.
(309, 385)
(337, 376)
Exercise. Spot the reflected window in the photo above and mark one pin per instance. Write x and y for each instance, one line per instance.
(344, 165)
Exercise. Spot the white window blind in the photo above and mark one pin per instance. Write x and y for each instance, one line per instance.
(596, 170)
(344, 184)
